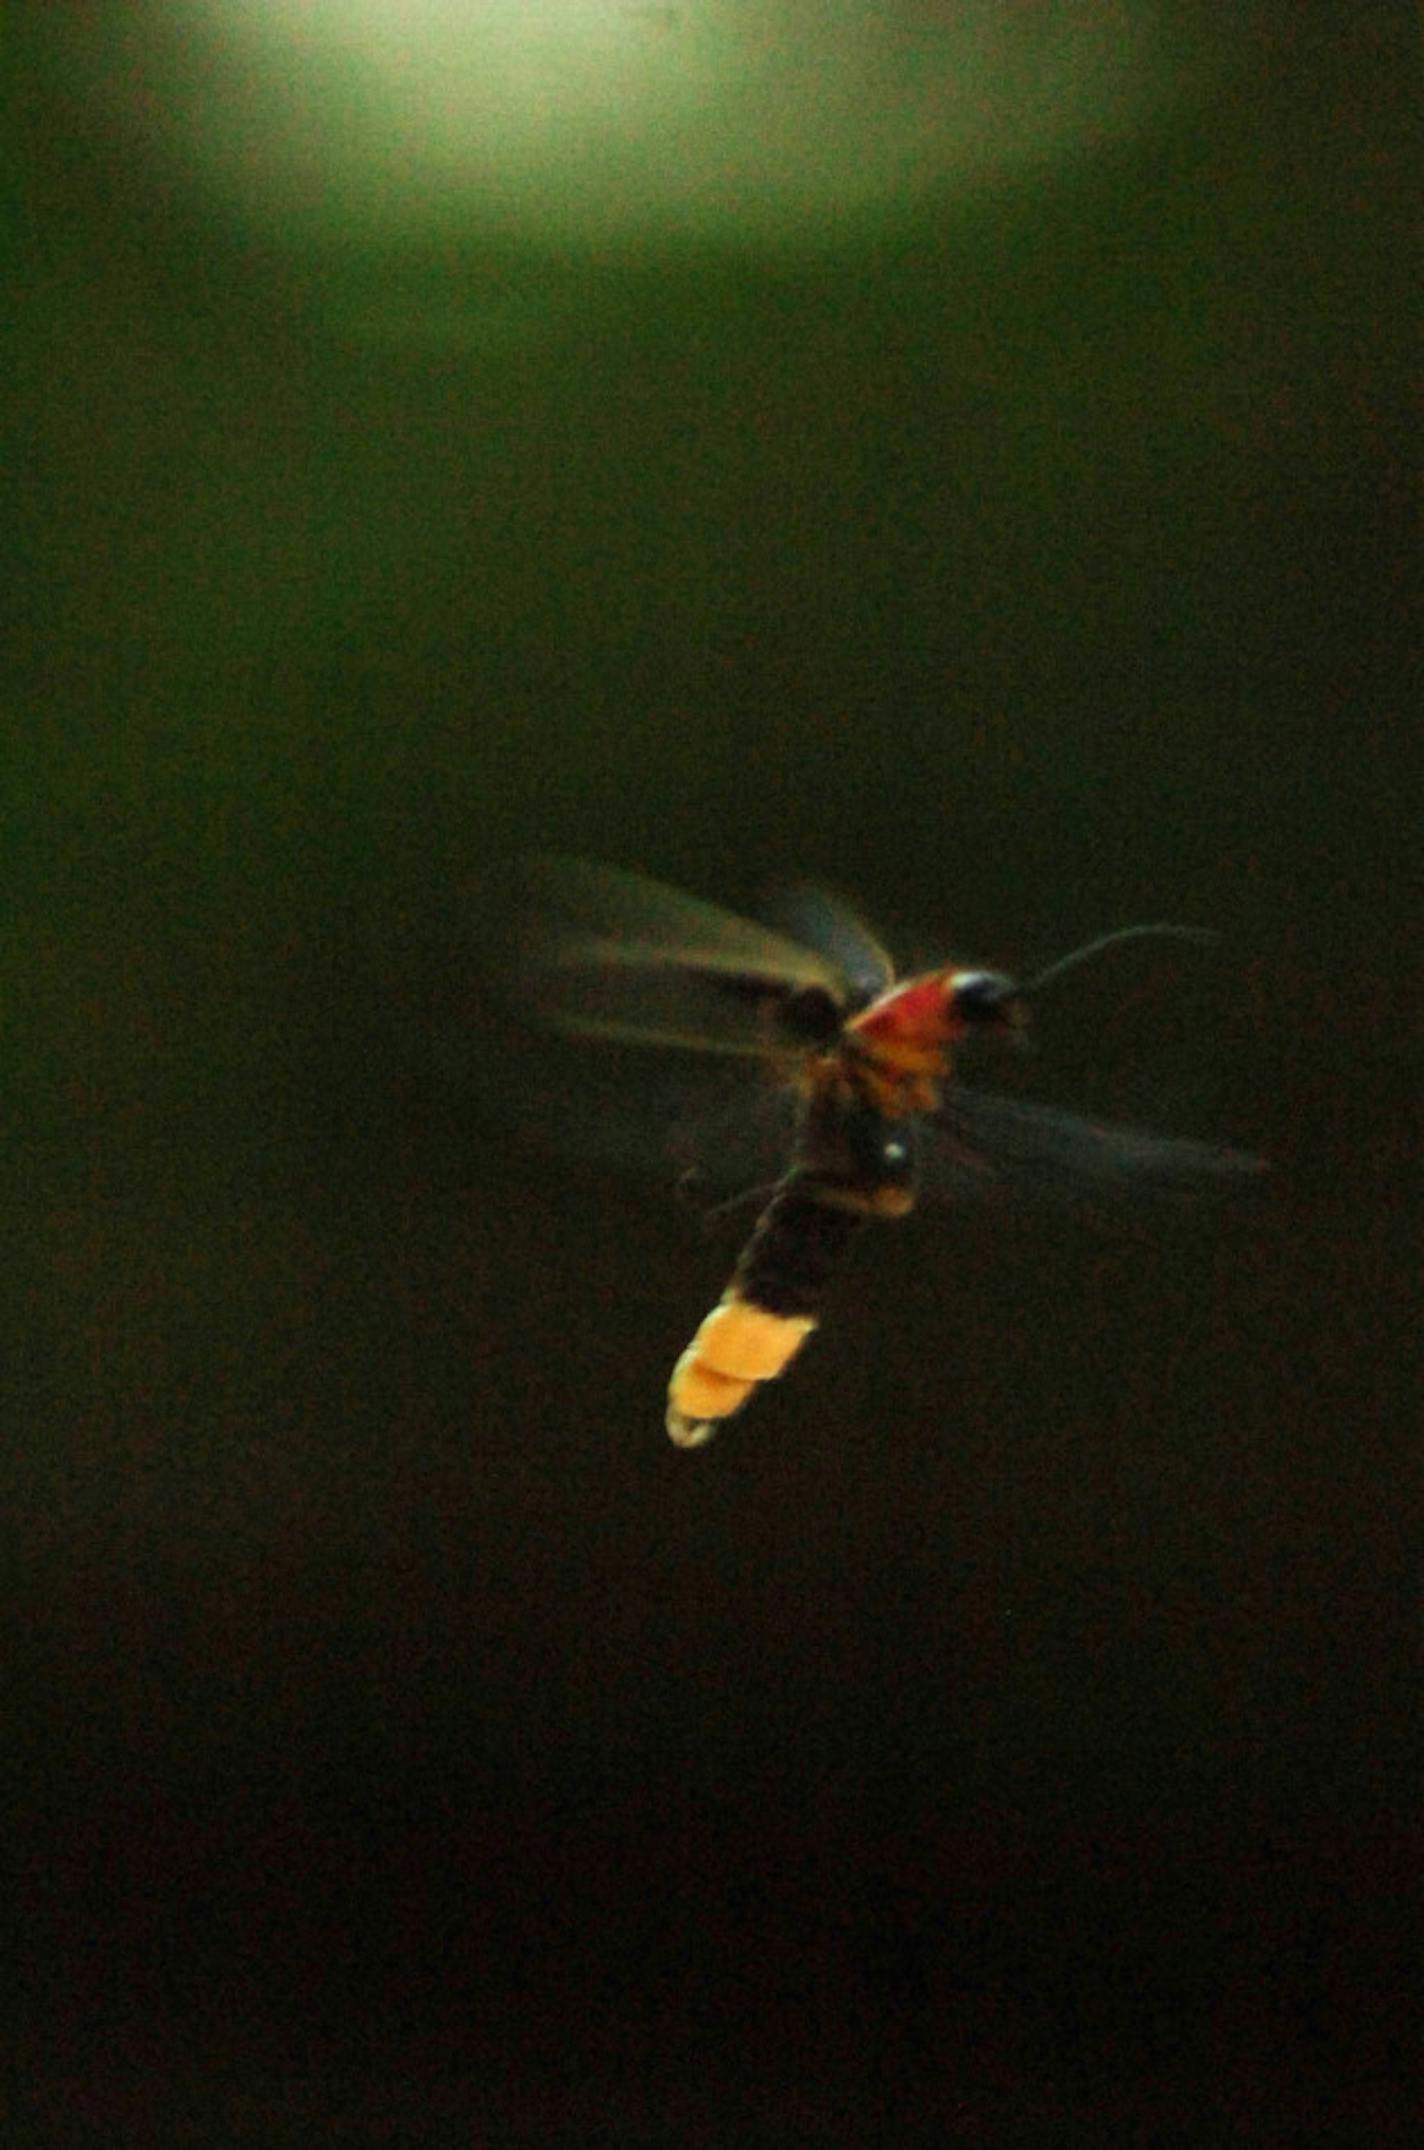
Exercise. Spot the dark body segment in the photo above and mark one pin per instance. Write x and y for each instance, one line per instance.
(852, 1164)
(799, 1239)
(871, 1062)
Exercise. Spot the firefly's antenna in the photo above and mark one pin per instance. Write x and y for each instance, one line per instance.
(1164, 932)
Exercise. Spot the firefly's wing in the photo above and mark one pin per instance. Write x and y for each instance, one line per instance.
(608, 954)
(991, 1145)
(707, 1123)
(826, 921)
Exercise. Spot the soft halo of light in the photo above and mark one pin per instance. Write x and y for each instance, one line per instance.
(606, 119)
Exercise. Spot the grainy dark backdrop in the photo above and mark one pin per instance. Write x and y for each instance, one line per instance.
(1007, 1734)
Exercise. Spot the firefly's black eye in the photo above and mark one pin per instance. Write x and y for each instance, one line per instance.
(988, 997)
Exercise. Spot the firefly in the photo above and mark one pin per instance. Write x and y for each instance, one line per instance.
(869, 1063)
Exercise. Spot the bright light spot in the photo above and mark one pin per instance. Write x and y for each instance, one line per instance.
(601, 119)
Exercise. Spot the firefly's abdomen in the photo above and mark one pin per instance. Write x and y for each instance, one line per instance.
(767, 1311)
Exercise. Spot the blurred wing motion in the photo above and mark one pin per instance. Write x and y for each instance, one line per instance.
(989, 1145)
(813, 916)
(868, 1062)
(610, 955)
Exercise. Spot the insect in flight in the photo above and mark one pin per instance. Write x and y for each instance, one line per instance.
(868, 1061)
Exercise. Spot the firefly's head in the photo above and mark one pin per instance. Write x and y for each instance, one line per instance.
(987, 1000)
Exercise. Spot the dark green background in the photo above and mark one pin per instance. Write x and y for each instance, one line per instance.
(1009, 1732)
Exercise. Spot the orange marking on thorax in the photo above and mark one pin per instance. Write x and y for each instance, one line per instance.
(903, 1043)
(915, 1019)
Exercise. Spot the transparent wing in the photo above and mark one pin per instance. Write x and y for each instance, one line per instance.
(1000, 1146)
(609, 954)
(704, 1120)
(603, 953)
(826, 921)
(710, 1120)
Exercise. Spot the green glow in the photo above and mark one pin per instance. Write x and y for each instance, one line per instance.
(611, 118)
